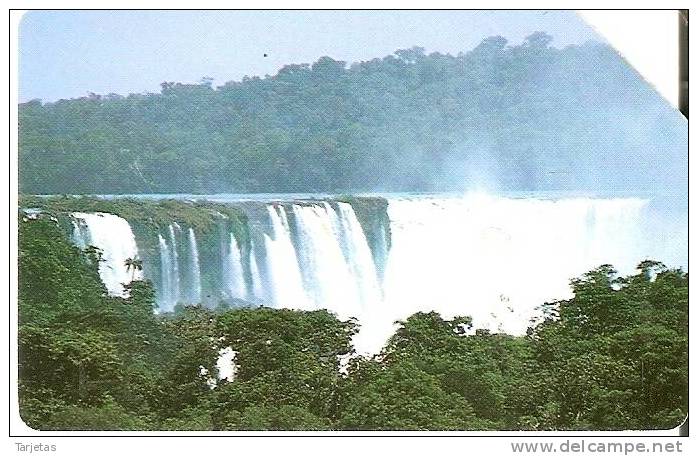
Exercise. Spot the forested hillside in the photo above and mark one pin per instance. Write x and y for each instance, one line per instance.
(523, 117)
(612, 357)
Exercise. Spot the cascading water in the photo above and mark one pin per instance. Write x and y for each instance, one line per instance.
(81, 235)
(169, 289)
(496, 259)
(180, 276)
(359, 256)
(257, 292)
(174, 265)
(335, 259)
(235, 275)
(285, 278)
(113, 236)
(194, 269)
(165, 289)
(493, 258)
(323, 265)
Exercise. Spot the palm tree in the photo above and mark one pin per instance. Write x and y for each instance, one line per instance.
(133, 265)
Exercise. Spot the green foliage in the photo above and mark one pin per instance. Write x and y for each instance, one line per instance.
(107, 417)
(285, 358)
(150, 218)
(618, 351)
(612, 357)
(481, 369)
(264, 338)
(534, 115)
(402, 396)
(184, 384)
(194, 419)
(151, 214)
(273, 418)
(50, 272)
(79, 347)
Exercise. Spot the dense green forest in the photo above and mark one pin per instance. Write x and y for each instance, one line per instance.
(505, 117)
(612, 357)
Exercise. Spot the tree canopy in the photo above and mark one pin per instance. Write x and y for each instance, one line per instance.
(513, 117)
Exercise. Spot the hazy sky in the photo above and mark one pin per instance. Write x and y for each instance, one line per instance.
(65, 54)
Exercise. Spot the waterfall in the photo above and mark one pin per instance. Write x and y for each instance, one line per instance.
(169, 291)
(194, 269)
(282, 263)
(359, 256)
(113, 236)
(496, 259)
(174, 265)
(235, 280)
(327, 275)
(165, 298)
(81, 235)
(257, 292)
(493, 258)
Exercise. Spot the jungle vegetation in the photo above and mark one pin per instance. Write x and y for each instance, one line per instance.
(614, 356)
(522, 117)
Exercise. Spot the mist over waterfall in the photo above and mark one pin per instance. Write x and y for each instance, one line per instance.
(500, 258)
(113, 236)
(493, 258)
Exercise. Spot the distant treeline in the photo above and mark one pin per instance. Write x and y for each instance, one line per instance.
(523, 117)
(615, 356)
